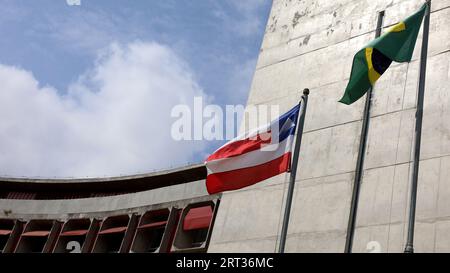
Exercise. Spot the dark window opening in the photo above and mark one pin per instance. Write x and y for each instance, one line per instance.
(149, 240)
(194, 228)
(33, 244)
(199, 237)
(35, 236)
(112, 234)
(3, 241)
(6, 229)
(73, 236)
(110, 243)
(150, 233)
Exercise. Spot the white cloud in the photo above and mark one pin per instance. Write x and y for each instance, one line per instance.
(114, 120)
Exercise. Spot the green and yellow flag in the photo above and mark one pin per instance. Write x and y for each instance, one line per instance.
(373, 60)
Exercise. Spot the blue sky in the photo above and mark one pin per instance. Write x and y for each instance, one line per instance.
(90, 87)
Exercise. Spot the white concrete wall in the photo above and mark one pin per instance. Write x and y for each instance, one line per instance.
(311, 44)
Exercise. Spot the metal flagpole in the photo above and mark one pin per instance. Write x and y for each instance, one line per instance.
(298, 142)
(409, 248)
(361, 154)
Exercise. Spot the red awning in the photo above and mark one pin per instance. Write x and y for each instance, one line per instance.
(75, 232)
(113, 230)
(36, 233)
(198, 218)
(153, 225)
(5, 232)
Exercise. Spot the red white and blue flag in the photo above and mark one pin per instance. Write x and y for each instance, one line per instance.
(253, 157)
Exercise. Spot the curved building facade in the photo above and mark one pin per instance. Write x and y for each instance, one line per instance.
(159, 212)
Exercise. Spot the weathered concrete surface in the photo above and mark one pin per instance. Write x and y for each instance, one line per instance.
(102, 206)
(311, 43)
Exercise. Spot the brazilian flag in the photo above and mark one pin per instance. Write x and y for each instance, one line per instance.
(373, 60)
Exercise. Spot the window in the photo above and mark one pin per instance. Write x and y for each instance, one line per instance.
(152, 234)
(6, 230)
(38, 237)
(194, 228)
(74, 237)
(112, 234)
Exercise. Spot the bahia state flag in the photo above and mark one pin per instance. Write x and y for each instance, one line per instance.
(253, 157)
(373, 60)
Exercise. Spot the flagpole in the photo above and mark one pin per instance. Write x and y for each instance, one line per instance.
(409, 248)
(293, 173)
(361, 155)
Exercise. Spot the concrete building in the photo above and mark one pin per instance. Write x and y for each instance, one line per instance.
(308, 44)
(311, 44)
